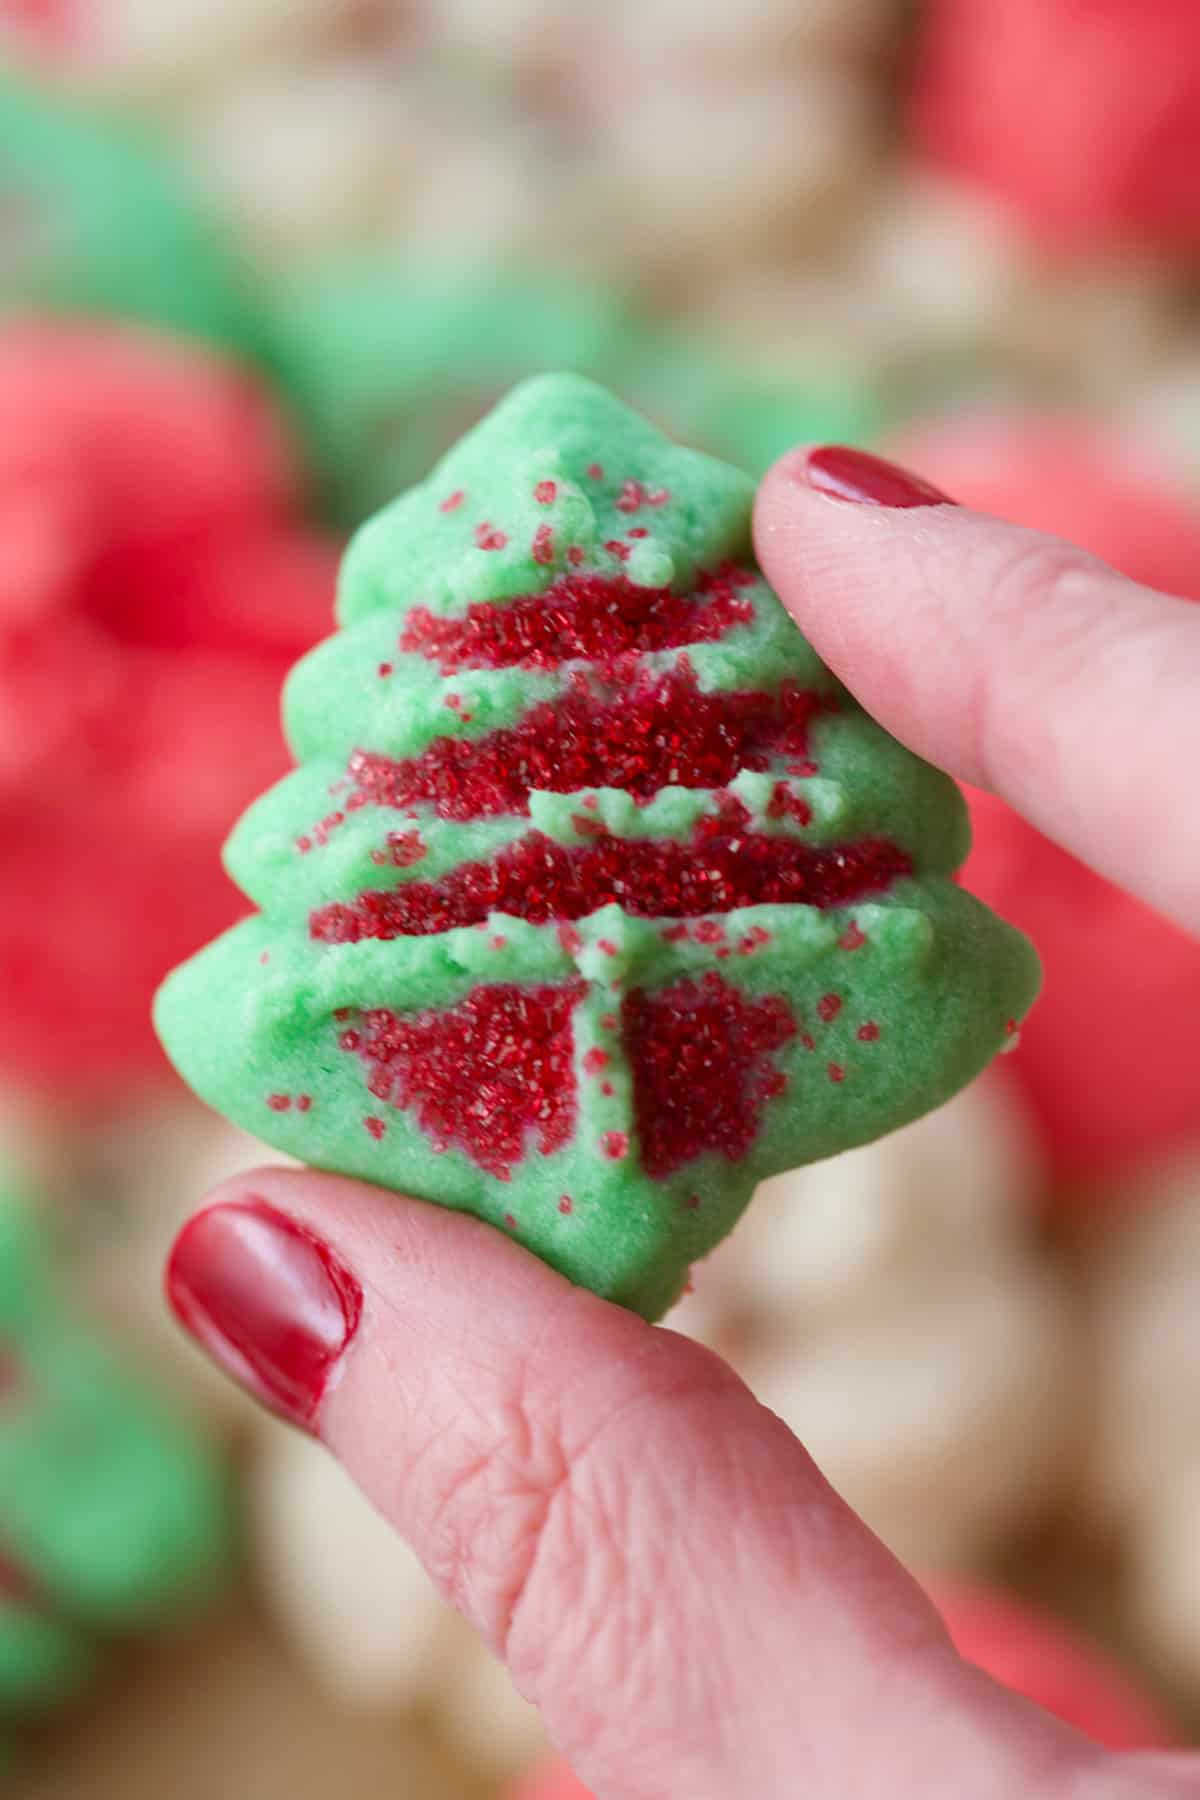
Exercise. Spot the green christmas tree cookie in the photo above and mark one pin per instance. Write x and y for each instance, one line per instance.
(595, 899)
(113, 1512)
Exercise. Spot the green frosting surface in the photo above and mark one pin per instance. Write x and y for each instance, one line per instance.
(698, 1051)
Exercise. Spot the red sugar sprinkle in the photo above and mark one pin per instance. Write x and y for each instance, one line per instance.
(692, 1203)
(321, 831)
(575, 554)
(1010, 1026)
(867, 1034)
(303, 1102)
(615, 1145)
(279, 1102)
(608, 1021)
(570, 939)
(544, 882)
(632, 497)
(637, 531)
(342, 1013)
(489, 537)
(566, 1205)
(659, 497)
(602, 617)
(676, 934)
(607, 946)
(545, 492)
(376, 1127)
(802, 768)
(701, 1071)
(385, 668)
(452, 501)
(595, 471)
(510, 1221)
(542, 549)
(349, 1040)
(498, 943)
(829, 1006)
(265, 957)
(606, 1088)
(852, 938)
(836, 1072)
(708, 931)
(404, 848)
(482, 1075)
(808, 1040)
(661, 730)
(783, 804)
(594, 1060)
(616, 548)
(453, 701)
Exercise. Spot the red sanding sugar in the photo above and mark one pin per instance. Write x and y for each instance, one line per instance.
(700, 1053)
(602, 617)
(486, 1076)
(659, 731)
(542, 881)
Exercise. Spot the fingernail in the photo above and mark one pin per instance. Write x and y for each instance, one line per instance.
(267, 1300)
(844, 474)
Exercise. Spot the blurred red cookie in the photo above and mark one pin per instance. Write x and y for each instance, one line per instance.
(1033, 1654)
(1080, 117)
(1107, 1057)
(155, 585)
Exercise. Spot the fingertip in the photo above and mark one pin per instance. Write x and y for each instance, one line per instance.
(849, 475)
(998, 653)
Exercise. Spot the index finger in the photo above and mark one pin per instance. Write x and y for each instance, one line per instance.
(1011, 659)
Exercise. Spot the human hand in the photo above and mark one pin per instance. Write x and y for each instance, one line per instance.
(659, 1562)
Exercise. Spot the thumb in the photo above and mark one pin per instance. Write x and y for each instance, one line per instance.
(665, 1572)
(1010, 659)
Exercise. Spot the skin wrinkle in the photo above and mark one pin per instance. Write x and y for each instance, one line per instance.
(627, 1644)
(485, 1512)
(627, 1650)
(574, 1496)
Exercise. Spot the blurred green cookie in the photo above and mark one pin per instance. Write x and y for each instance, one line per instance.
(95, 218)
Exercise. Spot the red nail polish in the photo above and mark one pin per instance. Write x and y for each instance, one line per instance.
(267, 1300)
(856, 475)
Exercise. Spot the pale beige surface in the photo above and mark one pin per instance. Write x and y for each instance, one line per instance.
(226, 1717)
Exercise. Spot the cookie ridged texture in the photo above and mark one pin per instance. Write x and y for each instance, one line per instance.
(579, 807)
